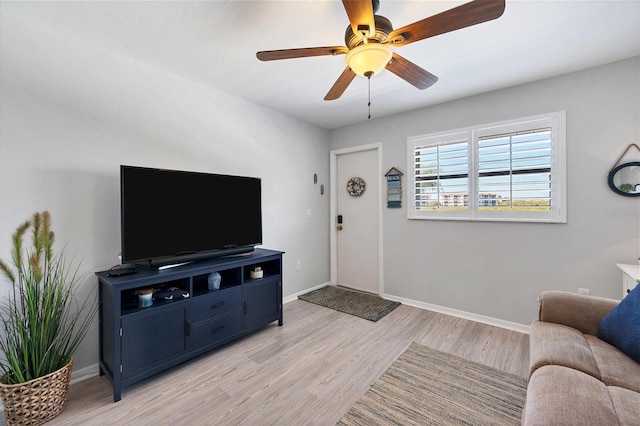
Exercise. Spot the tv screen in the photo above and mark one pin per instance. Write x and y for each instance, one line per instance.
(172, 216)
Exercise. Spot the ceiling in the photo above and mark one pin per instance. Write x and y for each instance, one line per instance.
(214, 43)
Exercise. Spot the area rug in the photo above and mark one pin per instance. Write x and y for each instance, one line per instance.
(363, 305)
(428, 387)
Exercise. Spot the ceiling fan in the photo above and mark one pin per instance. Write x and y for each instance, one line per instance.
(369, 39)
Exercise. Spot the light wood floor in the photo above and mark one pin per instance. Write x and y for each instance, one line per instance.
(310, 371)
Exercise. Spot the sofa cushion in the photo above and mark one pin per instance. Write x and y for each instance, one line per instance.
(621, 326)
(562, 396)
(627, 405)
(556, 344)
(616, 368)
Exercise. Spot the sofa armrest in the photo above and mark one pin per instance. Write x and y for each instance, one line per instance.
(575, 310)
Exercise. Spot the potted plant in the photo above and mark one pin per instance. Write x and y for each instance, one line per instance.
(42, 325)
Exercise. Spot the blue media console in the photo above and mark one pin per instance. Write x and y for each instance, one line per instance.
(138, 342)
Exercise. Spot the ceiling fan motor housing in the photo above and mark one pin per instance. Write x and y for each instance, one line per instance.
(383, 29)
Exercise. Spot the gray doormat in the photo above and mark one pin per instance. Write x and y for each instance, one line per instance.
(363, 305)
(428, 387)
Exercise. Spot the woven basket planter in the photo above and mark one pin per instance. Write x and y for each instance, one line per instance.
(37, 401)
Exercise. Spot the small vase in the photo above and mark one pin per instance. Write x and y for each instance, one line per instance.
(213, 281)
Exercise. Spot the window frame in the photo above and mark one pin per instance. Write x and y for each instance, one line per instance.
(556, 121)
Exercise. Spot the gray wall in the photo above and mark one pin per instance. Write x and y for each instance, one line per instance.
(72, 113)
(498, 269)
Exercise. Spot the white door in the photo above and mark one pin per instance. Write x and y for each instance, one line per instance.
(356, 245)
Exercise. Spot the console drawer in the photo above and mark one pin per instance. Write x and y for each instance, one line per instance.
(209, 332)
(217, 303)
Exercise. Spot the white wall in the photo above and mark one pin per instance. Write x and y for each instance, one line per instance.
(498, 269)
(71, 114)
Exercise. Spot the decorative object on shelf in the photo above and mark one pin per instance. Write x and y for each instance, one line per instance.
(624, 179)
(170, 293)
(394, 188)
(213, 281)
(355, 186)
(145, 297)
(256, 272)
(36, 366)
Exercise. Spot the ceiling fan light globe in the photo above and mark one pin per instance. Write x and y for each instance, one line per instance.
(368, 59)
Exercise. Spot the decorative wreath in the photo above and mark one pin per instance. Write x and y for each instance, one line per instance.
(355, 186)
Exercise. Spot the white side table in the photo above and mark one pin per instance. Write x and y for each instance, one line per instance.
(630, 277)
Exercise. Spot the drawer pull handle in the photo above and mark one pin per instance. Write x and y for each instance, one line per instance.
(217, 305)
(217, 330)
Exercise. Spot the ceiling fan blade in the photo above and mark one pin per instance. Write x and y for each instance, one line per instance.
(340, 85)
(466, 15)
(272, 55)
(360, 13)
(410, 72)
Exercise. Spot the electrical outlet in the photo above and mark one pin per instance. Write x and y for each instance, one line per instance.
(584, 291)
(298, 265)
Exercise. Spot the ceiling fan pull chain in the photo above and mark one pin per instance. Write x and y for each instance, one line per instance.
(369, 104)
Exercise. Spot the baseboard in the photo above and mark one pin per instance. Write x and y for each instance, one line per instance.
(293, 297)
(85, 373)
(513, 326)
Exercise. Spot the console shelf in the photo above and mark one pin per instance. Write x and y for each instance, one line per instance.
(137, 342)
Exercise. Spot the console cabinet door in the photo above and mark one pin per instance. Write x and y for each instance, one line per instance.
(151, 338)
(261, 302)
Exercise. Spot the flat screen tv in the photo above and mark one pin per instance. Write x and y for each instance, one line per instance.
(173, 216)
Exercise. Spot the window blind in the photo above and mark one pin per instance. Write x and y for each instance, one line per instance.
(442, 176)
(514, 171)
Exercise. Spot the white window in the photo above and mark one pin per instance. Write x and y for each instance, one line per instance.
(510, 171)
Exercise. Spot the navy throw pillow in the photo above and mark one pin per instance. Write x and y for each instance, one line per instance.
(621, 326)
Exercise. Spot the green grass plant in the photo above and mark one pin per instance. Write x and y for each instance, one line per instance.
(43, 321)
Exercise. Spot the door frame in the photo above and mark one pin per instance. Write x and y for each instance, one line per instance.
(333, 206)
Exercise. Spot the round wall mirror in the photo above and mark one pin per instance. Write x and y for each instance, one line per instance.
(625, 179)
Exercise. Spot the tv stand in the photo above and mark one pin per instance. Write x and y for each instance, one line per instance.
(138, 342)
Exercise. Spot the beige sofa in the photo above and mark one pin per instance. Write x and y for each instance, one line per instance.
(574, 377)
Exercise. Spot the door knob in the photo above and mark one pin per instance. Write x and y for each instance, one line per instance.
(339, 227)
